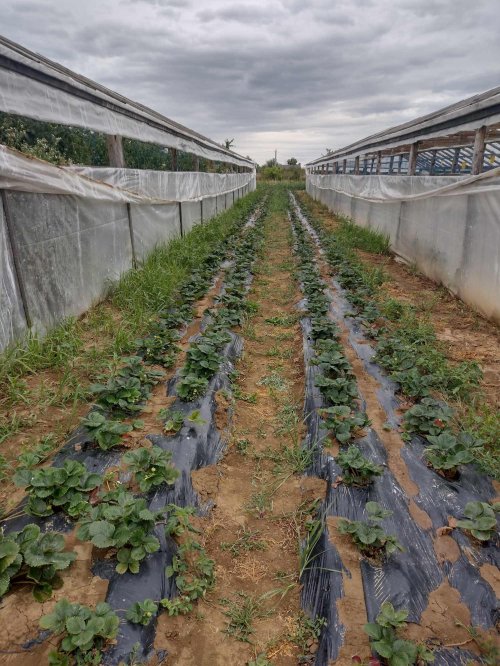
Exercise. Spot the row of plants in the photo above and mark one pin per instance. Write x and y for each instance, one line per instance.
(344, 418)
(408, 349)
(204, 356)
(106, 508)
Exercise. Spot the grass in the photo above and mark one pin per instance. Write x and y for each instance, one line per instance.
(353, 236)
(247, 541)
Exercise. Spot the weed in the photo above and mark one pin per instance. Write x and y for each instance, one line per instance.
(242, 446)
(246, 541)
(242, 613)
(194, 575)
(283, 319)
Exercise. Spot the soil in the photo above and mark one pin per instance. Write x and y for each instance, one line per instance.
(267, 574)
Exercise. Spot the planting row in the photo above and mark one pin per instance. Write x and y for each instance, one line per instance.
(365, 499)
(106, 506)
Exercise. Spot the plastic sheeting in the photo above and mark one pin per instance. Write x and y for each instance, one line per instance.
(29, 174)
(451, 232)
(34, 86)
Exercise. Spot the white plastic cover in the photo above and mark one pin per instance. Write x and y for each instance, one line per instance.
(29, 174)
(33, 86)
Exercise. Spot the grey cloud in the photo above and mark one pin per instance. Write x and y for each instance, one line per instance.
(293, 75)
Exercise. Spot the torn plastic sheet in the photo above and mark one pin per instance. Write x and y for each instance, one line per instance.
(408, 578)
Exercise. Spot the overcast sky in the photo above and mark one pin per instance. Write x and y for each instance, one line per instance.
(298, 76)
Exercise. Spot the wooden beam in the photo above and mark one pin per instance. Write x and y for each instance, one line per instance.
(478, 153)
(173, 152)
(412, 159)
(356, 165)
(114, 147)
(379, 162)
(433, 162)
(400, 163)
(391, 163)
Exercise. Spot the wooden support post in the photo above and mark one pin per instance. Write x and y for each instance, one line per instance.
(379, 162)
(371, 165)
(114, 146)
(356, 165)
(391, 164)
(196, 163)
(365, 165)
(344, 166)
(433, 163)
(412, 159)
(400, 164)
(173, 152)
(478, 153)
(456, 157)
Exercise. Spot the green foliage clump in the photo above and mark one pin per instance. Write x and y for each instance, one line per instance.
(53, 488)
(85, 632)
(356, 469)
(105, 432)
(428, 417)
(142, 612)
(151, 467)
(344, 421)
(480, 520)
(33, 558)
(447, 452)
(124, 522)
(394, 650)
(194, 575)
(370, 537)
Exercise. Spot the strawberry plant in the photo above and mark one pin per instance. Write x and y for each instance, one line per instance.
(105, 432)
(159, 348)
(191, 387)
(356, 469)
(173, 419)
(124, 522)
(323, 328)
(480, 520)
(447, 452)
(344, 421)
(128, 388)
(53, 488)
(428, 417)
(333, 362)
(179, 520)
(151, 467)
(340, 391)
(395, 651)
(369, 536)
(32, 558)
(142, 612)
(194, 575)
(84, 632)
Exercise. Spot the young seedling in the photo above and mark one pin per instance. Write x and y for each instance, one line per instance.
(106, 432)
(356, 469)
(480, 520)
(53, 488)
(151, 467)
(84, 632)
(393, 650)
(369, 536)
(32, 558)
(194, 575)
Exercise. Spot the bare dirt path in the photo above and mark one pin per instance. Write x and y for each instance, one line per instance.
(261, 500)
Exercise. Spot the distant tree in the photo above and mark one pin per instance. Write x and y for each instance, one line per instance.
(272, 172)
(292, 161)
(270, 163)
(228, 143)
(329, 151)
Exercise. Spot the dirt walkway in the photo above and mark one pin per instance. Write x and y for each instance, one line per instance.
(261, 501)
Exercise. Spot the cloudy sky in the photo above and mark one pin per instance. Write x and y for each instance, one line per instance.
(298, 76)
